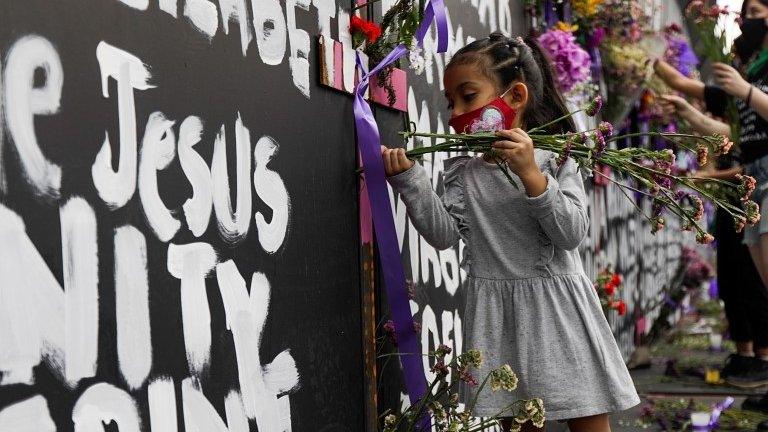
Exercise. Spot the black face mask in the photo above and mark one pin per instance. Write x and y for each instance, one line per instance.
(753, 31)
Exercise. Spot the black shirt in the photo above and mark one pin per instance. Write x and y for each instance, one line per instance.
(753, 129)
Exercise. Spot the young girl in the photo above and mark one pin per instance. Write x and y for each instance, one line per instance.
(528, 301)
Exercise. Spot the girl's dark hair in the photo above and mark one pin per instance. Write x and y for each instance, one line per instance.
(507, 60)
(746, 2)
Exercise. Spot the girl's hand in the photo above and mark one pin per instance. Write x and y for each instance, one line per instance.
(673, 104)
(516, 148)
(730, 80)
(395, 161)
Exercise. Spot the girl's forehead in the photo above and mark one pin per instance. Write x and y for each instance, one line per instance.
(461, 75)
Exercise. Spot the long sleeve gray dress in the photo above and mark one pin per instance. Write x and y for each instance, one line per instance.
(529, 303)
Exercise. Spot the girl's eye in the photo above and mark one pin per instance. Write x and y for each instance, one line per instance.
(470, 97)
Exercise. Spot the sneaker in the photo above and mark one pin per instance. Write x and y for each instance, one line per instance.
(736, 364)
(756, 376)
(756, 403)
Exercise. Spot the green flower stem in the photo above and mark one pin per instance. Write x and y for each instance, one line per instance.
(557, 120)
(471, 407)
(622, 188)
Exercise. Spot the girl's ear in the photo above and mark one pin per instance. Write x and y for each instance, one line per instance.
(517, 96)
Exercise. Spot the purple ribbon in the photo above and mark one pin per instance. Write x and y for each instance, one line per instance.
(550, 17)
(593, 42)
(368, 142)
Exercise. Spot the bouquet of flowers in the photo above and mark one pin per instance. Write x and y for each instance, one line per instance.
(570, 61)
(651, 171)
(710, 34)
(712, 42)
(585, 9)
(606, 285)
(441, 400)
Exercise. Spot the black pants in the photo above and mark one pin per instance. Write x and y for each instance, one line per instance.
(740, 286)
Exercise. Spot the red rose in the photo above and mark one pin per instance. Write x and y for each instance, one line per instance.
(610, 288)
(616, 279)
(621, 307)
(369, 29)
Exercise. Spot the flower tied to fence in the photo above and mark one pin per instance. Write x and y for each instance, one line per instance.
(368, 141)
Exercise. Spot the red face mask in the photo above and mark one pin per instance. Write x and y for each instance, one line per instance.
(496, 115)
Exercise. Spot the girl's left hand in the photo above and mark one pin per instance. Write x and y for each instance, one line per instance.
(516, 148)
(730, 80)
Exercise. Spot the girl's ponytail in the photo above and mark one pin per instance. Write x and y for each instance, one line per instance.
(551, 105)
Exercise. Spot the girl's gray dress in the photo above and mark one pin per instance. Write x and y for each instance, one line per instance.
(529, 303)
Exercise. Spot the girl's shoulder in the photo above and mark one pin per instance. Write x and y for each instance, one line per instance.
(454, 166)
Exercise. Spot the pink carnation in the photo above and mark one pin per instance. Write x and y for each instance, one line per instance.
(571, 63)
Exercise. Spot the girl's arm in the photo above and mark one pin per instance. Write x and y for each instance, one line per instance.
(732, 82)
(701, 123)
(679, 82)
(724, 174)
(426, 210)
(561, 209)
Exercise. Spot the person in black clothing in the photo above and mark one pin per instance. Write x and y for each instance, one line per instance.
(746, 300)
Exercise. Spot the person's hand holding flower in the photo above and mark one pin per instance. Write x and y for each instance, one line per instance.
(730, 80)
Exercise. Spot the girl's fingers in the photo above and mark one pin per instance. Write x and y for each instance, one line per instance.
(507, 145)
(394, 160)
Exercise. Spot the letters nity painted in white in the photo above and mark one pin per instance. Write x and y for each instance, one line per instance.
(23, 102)
(246, 314)
(191, 263)
(35, 311)
(117, 187)
(134, 343)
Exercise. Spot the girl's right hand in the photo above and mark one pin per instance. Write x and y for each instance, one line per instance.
(395, 161)
(673, 104)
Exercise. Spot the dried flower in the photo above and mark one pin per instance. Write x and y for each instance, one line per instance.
(442, 350)
(605, 128)
(468, 378)
(389, 329)
(746, 186)
(739, 223)
(600, 144)
(698, 207)
(701, 153)
(752, 211)
(440, 368)
(472, 357)
(503, 378)
(724, 146)
(704, 238)
(657, 224)
(569, 141)
(594, 107)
